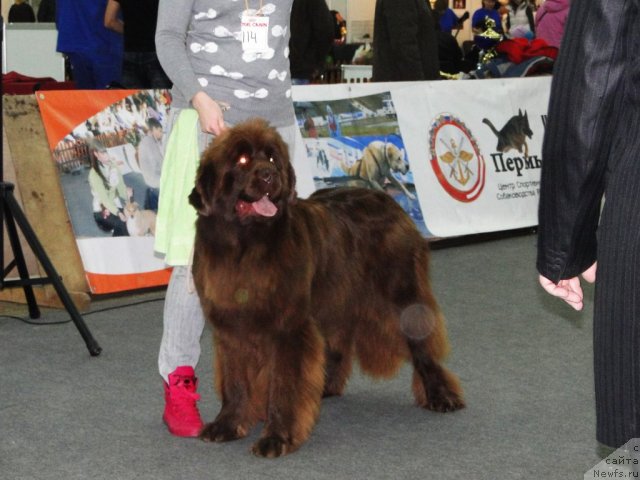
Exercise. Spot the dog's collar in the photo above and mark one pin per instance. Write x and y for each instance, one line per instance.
(386, 157)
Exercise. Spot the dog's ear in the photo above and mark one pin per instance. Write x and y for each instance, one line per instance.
(195, 199)
(201, 197)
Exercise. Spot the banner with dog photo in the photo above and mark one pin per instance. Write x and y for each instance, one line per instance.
(357, 142)
(479, 146)
(461, 157)
(108, 149)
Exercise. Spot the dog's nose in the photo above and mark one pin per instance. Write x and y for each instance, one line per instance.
(265, 174)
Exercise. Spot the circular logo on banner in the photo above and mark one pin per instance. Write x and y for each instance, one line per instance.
(456, 159)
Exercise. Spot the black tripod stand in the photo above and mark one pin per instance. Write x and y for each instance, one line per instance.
(13, 217)
(10, 215)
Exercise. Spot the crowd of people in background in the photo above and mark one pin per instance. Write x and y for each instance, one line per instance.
(523, 18)
(111, 43)
(415, 39)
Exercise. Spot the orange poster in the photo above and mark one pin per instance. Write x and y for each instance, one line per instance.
(108, 149)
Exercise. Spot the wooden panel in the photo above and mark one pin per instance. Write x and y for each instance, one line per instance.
(28, 164)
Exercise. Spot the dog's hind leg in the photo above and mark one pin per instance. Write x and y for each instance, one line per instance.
(295, 391)
(422, 323)
(434, 387)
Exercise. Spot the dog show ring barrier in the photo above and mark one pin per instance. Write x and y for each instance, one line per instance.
(463, 179)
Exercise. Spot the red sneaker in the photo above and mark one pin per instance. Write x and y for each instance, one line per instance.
(180, 411)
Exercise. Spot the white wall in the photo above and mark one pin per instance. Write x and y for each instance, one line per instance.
(340, 5)
(360, 20)
(30, 49)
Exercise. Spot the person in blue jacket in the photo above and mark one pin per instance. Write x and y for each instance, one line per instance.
(479, 17)
(95, 52)
(479, 24)
(447, 19)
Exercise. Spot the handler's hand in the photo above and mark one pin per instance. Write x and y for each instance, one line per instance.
(570, 289)
(210, 113)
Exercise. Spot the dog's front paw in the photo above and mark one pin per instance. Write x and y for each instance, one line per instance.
(444, 400)
(220, 431)
(271, 447)
(332, 391)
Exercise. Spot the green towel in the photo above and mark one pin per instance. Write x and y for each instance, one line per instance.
(175, 224)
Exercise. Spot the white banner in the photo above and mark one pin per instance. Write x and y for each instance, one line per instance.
(471, 149)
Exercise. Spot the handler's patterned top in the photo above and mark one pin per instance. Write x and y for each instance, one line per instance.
(200, 47)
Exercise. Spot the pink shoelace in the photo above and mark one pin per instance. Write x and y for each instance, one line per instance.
(184, 397)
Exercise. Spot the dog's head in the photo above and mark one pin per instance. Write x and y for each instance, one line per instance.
(130, 209)
(524, 119)
(395, 157)
(245, 175)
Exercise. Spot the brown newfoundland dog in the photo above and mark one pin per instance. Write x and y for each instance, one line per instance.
(296, 289)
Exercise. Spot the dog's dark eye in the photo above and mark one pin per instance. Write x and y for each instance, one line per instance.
(243, 160)
(272, 160)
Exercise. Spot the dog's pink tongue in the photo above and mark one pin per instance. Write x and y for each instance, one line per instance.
(264, 207)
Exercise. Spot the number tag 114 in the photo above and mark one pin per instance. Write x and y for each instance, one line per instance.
(255, 33)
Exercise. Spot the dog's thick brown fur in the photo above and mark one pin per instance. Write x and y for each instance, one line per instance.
(296, 289)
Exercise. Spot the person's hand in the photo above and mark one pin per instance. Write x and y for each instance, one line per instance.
(570, 289)
(210, 113)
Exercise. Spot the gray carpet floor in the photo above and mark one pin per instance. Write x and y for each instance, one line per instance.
(524, 359)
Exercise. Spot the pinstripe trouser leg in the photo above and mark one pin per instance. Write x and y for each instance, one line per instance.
(617, 306)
